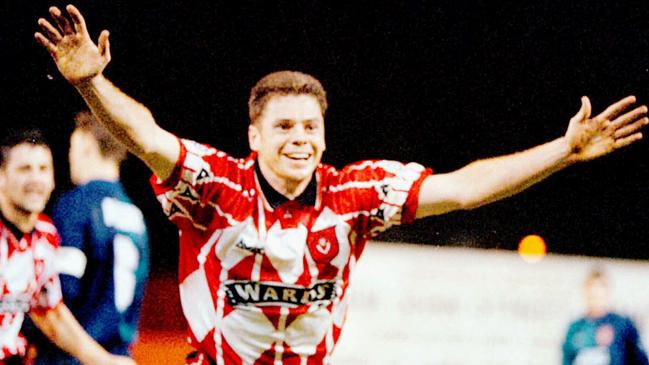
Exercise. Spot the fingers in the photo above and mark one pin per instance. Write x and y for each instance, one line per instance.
(629, 117)
(45, 43)
(77, 19)
(623, 142)
(615, 109)
(51, 35)
(631, 128)
(51, 32)
(627, 126)
(104, 45)
(61, 21)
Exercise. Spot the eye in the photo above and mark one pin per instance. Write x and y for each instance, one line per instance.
(284, 125)
(311, 126)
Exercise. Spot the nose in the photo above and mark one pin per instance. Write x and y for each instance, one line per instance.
(298, 135)
(36, 176)
(34, 179)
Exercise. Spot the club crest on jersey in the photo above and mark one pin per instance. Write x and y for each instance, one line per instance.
(263, 293)
(323, 244)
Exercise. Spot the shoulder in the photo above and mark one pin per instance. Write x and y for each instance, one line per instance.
(373, 170)
(387, 167)
(576, 324)
(197, 148)
(46, 228)
(74, 203)
(206, 162)
(80, 195)
(620, 318)
(101, 189)
(360, 170)
(45, 224)
(70, 195)
(193, 151)
(617, 317)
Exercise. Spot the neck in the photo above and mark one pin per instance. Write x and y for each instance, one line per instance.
(102, 169)
(597, 313)
(288, 188)
(22, 219)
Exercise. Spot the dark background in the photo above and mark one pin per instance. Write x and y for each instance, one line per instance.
(441, 83)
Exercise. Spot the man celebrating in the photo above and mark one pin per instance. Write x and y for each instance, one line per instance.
(268, 242)
(104, 256)
(28, 245)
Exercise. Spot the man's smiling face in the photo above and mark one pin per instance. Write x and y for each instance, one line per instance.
(289, 138)
(27, 178)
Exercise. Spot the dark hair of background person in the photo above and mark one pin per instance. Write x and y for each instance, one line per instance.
(108, 146)
(14, 137)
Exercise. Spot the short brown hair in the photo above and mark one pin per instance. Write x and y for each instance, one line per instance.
(109, 147)
(284, 83)
(13, 138)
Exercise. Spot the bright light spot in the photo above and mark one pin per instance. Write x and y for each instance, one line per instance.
(532, 248)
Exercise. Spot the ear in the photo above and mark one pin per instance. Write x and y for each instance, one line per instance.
(253, 137)
(3, 177)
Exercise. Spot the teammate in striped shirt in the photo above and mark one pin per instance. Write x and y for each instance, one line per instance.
(268, 243)
(28, 246)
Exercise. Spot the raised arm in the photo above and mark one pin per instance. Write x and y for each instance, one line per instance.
(485, 181)
(82, 62)
(60, 326)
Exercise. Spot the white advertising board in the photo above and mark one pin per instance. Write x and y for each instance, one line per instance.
(413, 304)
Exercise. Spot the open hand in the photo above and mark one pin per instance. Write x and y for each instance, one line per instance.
(589, 138)
(76, 56)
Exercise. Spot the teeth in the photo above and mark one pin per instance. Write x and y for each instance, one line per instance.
(299, 156)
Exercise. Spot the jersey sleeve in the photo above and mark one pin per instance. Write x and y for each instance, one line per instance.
(201, 173)
(381, 193)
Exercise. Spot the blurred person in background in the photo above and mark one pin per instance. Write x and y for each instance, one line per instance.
(28, 253)
(602, 337)
(104, 256)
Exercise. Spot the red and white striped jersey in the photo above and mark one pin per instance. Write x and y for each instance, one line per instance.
(264, 284)
(28, 280)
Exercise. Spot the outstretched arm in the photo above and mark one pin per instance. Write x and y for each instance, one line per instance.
(82, 62)
(60, 326)
(488, 180)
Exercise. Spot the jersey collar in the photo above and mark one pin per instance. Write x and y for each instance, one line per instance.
(17, 233)
(275, 199)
